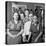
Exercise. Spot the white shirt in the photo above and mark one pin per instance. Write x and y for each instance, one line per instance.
(27, 28)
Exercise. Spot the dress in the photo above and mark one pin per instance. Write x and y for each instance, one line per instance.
(14, 29)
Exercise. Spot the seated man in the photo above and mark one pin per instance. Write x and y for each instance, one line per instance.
(36, 33)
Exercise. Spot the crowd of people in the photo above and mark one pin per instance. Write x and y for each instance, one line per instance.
(25, 27)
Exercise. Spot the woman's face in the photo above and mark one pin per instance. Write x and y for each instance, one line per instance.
(30, 16)
(26, 12)
(15, 16)
(22, 16)
(34, 19)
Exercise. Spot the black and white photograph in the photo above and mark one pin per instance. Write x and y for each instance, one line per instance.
(25, 22)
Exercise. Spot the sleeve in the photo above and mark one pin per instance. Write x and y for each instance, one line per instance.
(9, 25)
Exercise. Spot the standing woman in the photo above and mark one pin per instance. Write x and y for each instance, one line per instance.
(22, 16)
(26, 15)
(31, 16)
(13, 28)
(31, 20)
(26, 33)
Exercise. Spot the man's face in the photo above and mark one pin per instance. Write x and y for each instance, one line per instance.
(22, 16)
(30, 16)
(26, 12)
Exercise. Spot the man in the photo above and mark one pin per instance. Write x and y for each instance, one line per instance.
(36, 32)
(27, 23)
(34, 29)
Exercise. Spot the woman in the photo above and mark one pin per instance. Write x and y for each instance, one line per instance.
(27, 23)
(31, 16)
(22, 16)
(26, 15)
(31, 20)
(14, 27)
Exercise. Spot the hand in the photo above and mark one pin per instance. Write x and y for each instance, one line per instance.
(35, 41)
(29, 36)
(14, 36)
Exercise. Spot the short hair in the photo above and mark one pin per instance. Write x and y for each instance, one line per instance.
(16, 11)
(21, 12)
(26, 9)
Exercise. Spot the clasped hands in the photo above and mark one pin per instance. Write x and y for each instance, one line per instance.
(14, 36)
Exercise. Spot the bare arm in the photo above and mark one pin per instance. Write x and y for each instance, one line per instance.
(29, 36)
(10, 34)
(22, 29)
(20, 32)
(9, 26)
(38, 36)
(38, 27)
